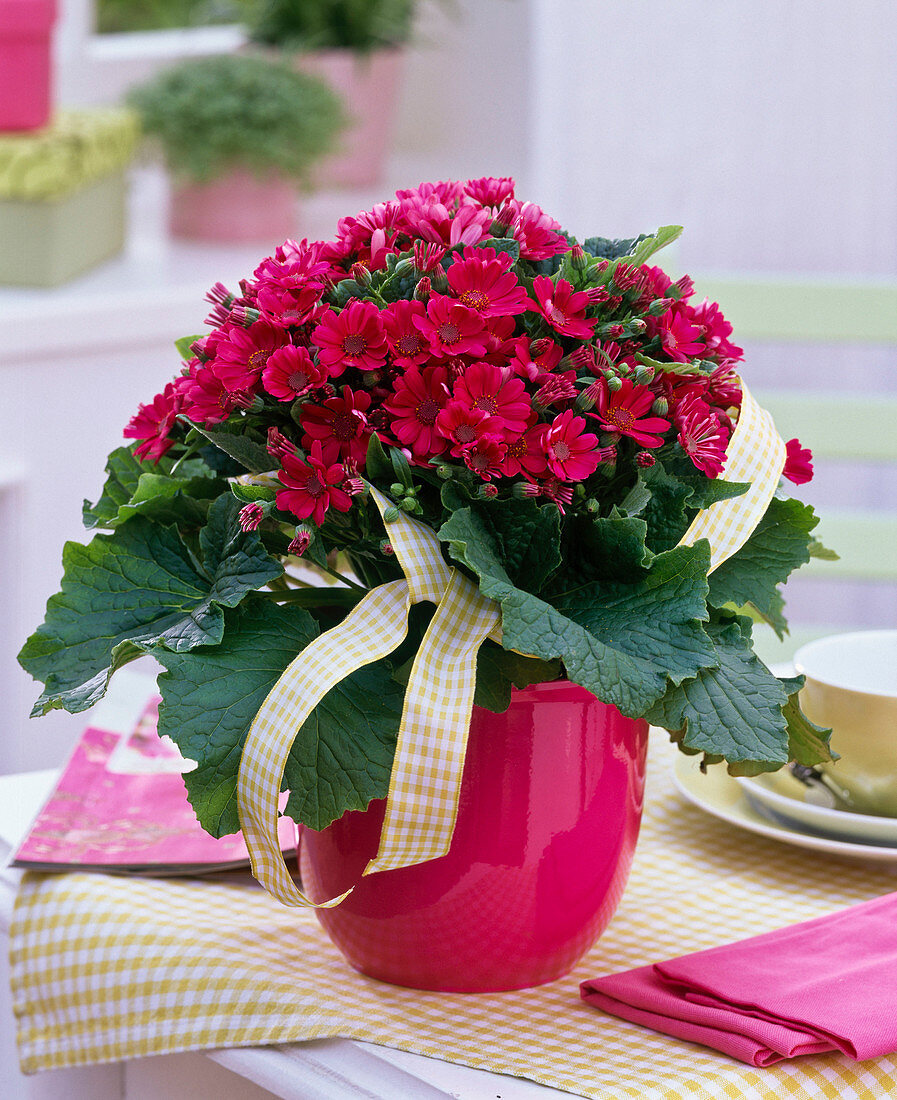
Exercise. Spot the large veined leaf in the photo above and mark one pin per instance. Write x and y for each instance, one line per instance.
(779, 544)
(733, 710)
(134, 589)
(342, 755)
(623, 642)
(133, 487)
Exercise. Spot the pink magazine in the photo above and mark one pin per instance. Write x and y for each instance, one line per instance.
(121, 805)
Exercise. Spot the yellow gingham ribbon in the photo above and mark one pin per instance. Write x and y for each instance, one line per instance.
(756, 454)
(422, 802)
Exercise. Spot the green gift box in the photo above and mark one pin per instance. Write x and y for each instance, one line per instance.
(62, 195)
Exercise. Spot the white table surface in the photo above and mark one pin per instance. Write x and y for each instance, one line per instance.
(328, 1069)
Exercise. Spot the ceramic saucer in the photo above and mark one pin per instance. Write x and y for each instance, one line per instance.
(717, 793)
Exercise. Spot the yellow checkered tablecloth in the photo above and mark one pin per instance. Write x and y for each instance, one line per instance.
(107, 968)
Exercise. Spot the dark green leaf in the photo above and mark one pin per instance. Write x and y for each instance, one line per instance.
(608, 548)
(342, 755)
(665, 513)
(377, 465)
(136, 589)
(250, 454)
(516, 541)
(498, 670)
(779, 544)
(647, 246)
(605, 248)
(808, 743)
(183, 345)
(733, 710)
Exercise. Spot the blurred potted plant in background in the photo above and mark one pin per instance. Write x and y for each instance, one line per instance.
(357, 46)
(239, 136)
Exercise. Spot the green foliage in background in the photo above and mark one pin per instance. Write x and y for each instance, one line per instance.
(122, 16)
(359, 25)
(217, 113)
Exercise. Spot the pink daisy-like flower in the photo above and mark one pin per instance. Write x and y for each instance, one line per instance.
(496, 392)
(717, 331)
(624, 411)
(532, 359)
(526, 454)
(563, 307)
(571, 453)
(680, 339)
(353, 337)
(152, 423)
(419, 398)
(489, 191)
(341, 421)
(373, 234)
(206, 399)
(701, 435)
(798, 464)
(484, 457)
(291, 371)
(538, 235)
(462, 426)
(408, 346)
(452, 329)
(241, 353)
(482, 280)
(435, 222)
(314, 486)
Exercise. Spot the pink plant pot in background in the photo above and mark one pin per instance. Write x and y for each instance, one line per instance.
(368, 86)
(25, 63)
(550, 808)
(236, 208)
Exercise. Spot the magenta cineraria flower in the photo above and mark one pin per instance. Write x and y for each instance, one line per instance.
(482, 281)
(153, 422)
(701, 435)
(562, 307)
(571, 453)
(408, 345)
(311, 487)
(452, 329)
(352, 337)
(418, 399)
(623, 411)
(462, 426)
(340, 421)
(489, 191)
(798, 463)
(291, 371)
(497, 393)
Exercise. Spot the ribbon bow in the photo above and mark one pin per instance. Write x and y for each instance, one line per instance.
(425, 782)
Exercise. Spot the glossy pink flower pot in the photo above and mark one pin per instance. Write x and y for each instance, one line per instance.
(550, 807)
(369, 88)
(238, 208)
(25, 63)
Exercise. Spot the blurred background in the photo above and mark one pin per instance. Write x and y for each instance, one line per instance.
(768, 131)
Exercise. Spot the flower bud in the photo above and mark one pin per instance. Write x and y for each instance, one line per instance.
(386, 548)
(487, 491)
(390, 515)
(642, 374)
(608, 439)
(645, 460)
(360, 273)
(592, 506)
(579, 259)
(423, 290)
(301, 540)
(660, 407)
(659, 307)
(397, 489)
(523, 490)
(251, 515)
(403, 267)
(614, 383)
(443, 471)
(636, 324)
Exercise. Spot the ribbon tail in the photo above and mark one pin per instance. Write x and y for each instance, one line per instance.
(373, 629)
(422, 806)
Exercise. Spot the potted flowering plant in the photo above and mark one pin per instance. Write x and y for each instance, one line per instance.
(549, 419)
(359, 49)
(239, 136)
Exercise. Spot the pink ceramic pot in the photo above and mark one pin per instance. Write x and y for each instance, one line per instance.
(368, 87)
(237, 208)
(550, 808)
(25, 66)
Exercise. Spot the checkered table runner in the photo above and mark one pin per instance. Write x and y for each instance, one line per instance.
(106, 968)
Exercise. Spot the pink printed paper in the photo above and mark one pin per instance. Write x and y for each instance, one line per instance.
(121, 805)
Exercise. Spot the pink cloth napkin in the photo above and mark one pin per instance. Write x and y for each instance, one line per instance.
(823, 985)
